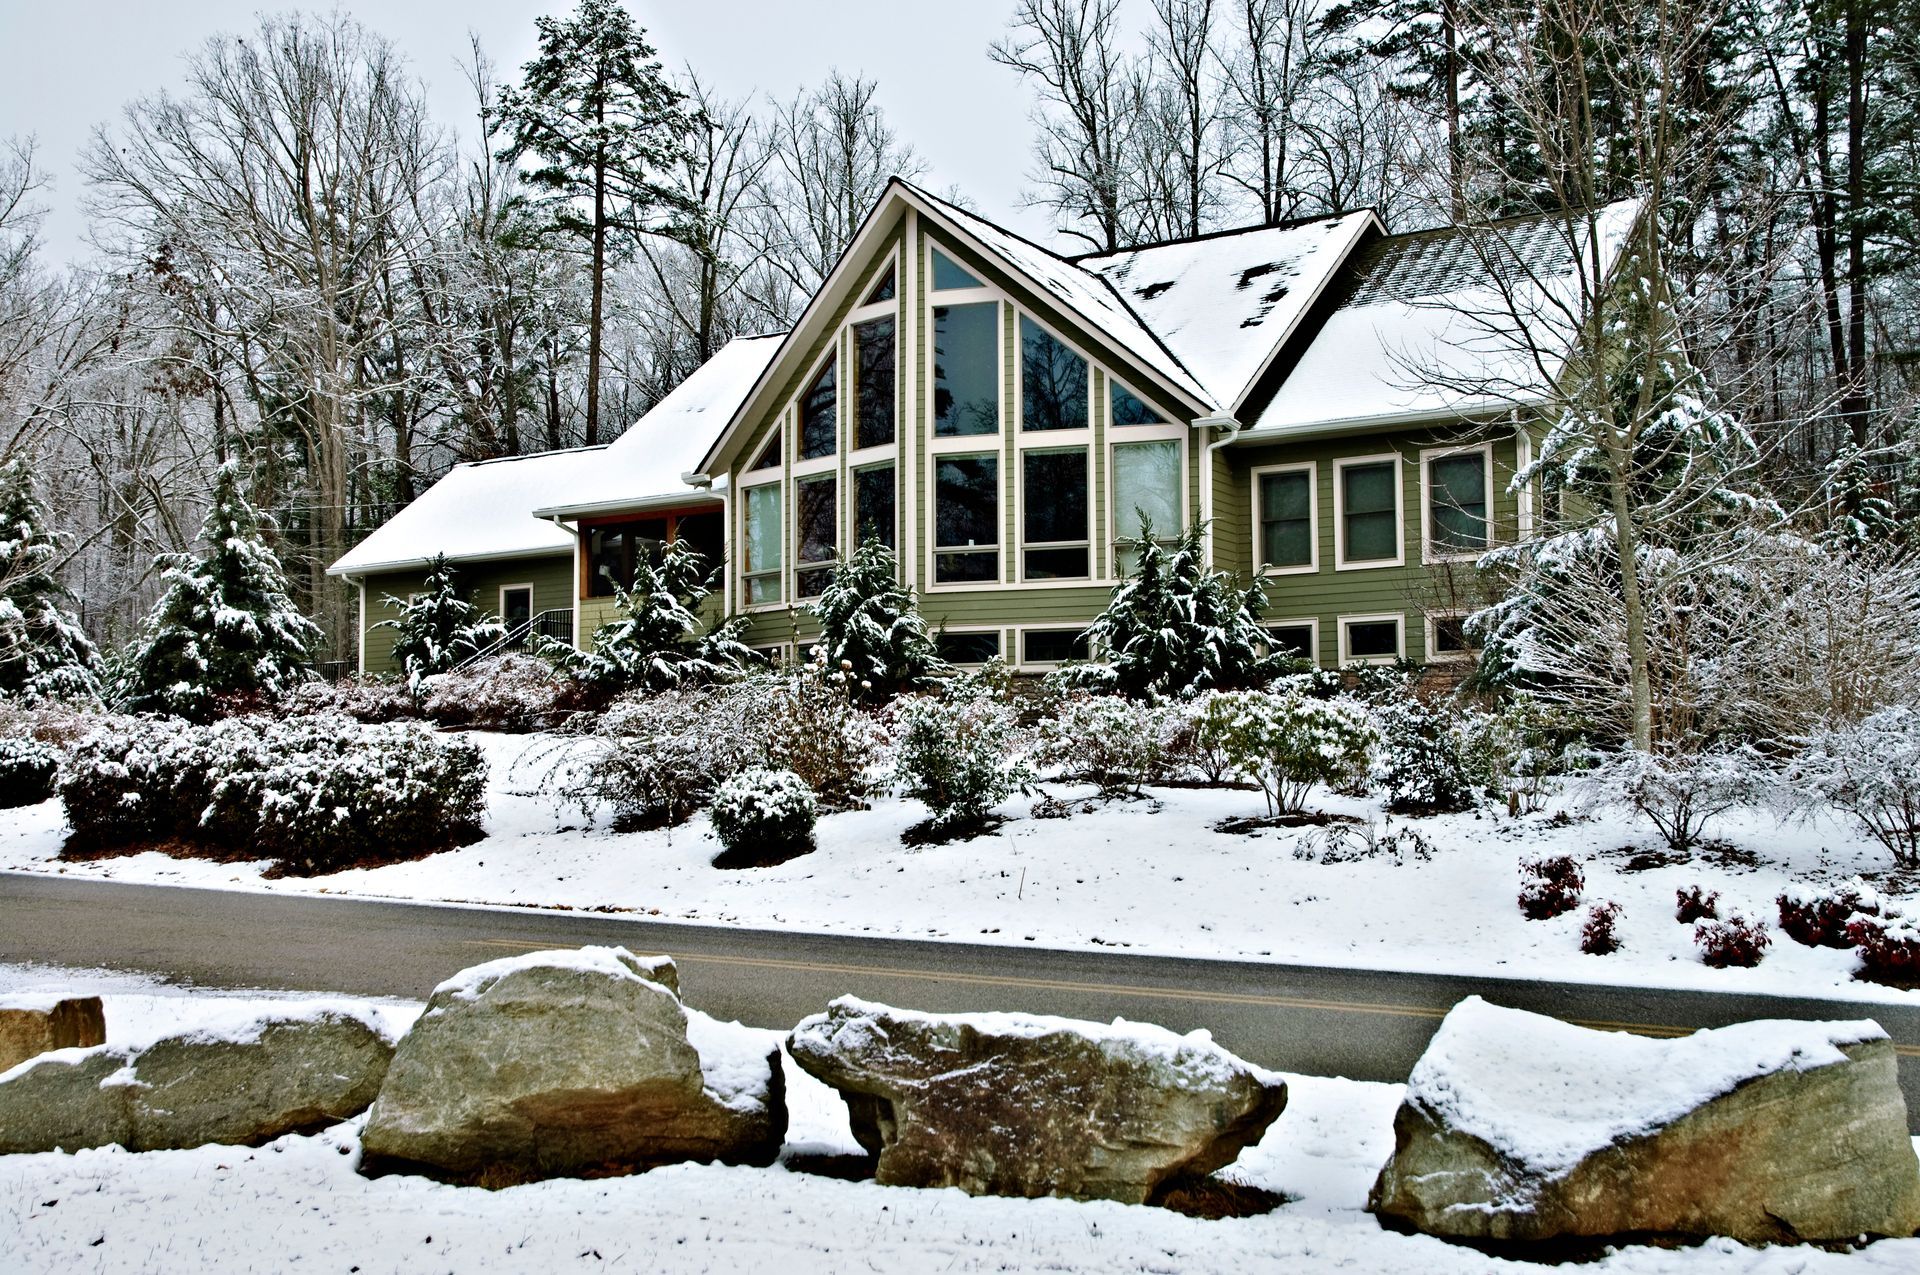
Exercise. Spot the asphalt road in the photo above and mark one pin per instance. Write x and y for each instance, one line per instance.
(1363, 1024)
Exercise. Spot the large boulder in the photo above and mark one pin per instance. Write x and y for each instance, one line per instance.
(1521, 1129)
(1012, 1104)
(570, 1063)
(34, 1026)
(280, 1074)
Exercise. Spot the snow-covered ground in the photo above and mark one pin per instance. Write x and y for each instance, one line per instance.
(1148, 876)
(298, 1204)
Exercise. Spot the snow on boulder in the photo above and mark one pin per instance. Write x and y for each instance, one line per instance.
(1519, 1128)
(285, 1072)
(1019, 1105)
(30, 1026)
(567, 1063)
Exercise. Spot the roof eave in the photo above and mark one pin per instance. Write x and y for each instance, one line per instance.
(666, 500)
(412, 564)
(1454, 414)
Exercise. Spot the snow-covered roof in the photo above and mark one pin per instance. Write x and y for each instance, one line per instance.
(479, 510)
(646, 464)
(1428, 327)
(1224, 303)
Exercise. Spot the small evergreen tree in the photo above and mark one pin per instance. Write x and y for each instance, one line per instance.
(225, 625)
(44, 654)
(1176, 627)
(871, 625)
(438, 628)
(657, 642)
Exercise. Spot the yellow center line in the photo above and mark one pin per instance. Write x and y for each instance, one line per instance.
(1116, 989)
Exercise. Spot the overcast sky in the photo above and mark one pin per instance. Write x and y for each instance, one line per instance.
(68, 65)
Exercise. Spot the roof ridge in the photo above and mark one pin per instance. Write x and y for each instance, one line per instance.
(552, 451)
(1292, 223)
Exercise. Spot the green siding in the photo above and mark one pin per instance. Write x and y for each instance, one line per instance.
(481, 582)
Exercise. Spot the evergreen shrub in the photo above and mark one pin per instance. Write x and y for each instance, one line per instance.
(763, 813)
(27, 771)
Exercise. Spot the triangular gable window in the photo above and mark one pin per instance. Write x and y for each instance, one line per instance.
(947, 275)
(882, 291)
(770, 454)
(1129, 410)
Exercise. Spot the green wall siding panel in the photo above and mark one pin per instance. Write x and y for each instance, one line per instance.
(481, 582)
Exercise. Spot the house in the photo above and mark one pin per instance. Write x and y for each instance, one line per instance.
(1330, 400)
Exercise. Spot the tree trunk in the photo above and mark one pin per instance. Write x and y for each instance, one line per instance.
(594, 315)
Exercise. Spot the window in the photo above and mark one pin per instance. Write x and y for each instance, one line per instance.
(966, 369)
(1447, 638)
(882, 291)
(1371, 639)
(1053, 381)
(1457, 502)
(814, 534)
(1146, 481)
(769, 457)
(873, 348)
(615, 550)
(1127, 409)
(1053, 529)
(966, 515)
(704, 533)
(817, 427)
(1296, 639)
(1288, 533)
(763, 544)
(873, 504)
(1369, 495)
(967, 648)
(947, 274)
(516, 610)
(1052, 646)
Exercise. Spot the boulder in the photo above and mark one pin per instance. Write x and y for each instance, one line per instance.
(1517, 1129)
(29, 1028)
(571, 1063)
(1012, 1104)
(277, 1075)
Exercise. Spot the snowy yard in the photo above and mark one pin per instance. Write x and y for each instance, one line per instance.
(1150, 875)
(298, 1203)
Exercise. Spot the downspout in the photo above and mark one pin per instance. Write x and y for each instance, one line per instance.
(1230, 430)
(704, 482)
(573, 584)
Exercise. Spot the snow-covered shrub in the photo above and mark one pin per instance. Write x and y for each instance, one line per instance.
(364, 699)
(1696, 903)
(27, 770)
(149, 778)
(1550, 886)
(1286, 742)
(1872, 772)
(760, 812)
(1383, 683)
(1889, 949)
(1116, 743)
(1421, 763)
(1682, 793)
(1600, 935)
(956, 752)
(657, 640)
(657, 758)
(1520, 750)
(438, 629)
(817, 728)
(1821, 917)
(511, 692)
(1195, 748)
(1734, 941)
(870, 624)
(1363, 843)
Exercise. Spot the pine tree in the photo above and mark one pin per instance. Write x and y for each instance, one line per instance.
(871, 625)
(657, 641)
(1176, 627)
(438, 628)
(44, 654)
(225, 625)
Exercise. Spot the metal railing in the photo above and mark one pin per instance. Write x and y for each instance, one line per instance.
(555, 625)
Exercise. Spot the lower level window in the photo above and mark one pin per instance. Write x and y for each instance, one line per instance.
(1449, 639)
(815, 522)
(1053, 646)
(1371, 638)
(966, 519)
(967, 648)
(1294, 641)
(762, 557)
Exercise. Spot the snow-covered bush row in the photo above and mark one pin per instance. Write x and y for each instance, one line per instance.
(27, 770)
(368, 699)
(1287, 743)
(314, 793)
(656, 758)
(1819, 916)
(1118, 744)
(509, 692)
(1889, 949)
(957, 753)
(759, 812)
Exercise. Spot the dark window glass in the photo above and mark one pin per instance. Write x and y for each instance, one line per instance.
(1457, 502)
(816, 415)
(1053, 646)
(966, 369)
(705, 533)
(1295, 640)
(1128, 409)
(873, 343)
(948, 274)
(1286, 522)
(614, 549)
(516, 610)
(1450, 636)
(1369, 639)
(769, 457)
(966, 517)
(1367, 505)
(1056, 514)
(967, 648)
(882, 291)
(815, 518)
(873, 497)
(1057, 564)
(1053, 381)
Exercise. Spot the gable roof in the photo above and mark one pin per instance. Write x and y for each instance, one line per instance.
(1421, 328)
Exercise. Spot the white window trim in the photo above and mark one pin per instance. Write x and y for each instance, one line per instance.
(957, 629)
(1309, 622)
(1399, 558)
(1178, 434)
(1434, 654)
(747, 576)
(1399, 620)
(1312, 471)
(505, 589)
(1020, 643)
(1020, 429)
(361, 643)
(1085, 448)
(935, 549)
(1428, 554)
